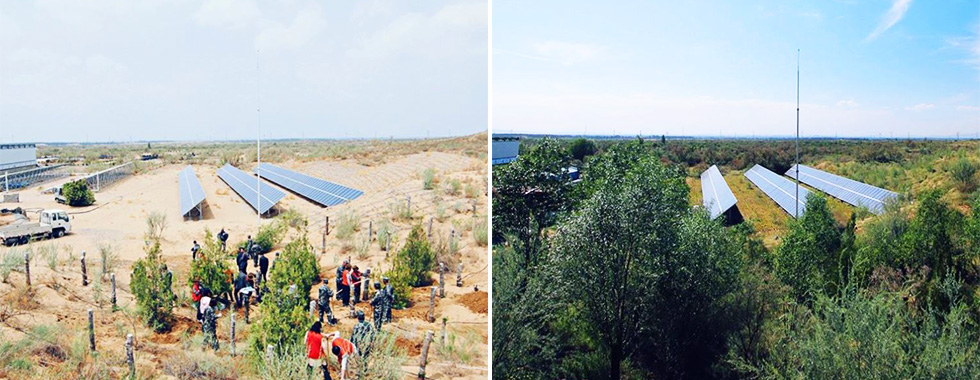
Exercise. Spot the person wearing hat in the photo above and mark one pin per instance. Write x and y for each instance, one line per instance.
(362, 334)
(323, 302)
(389, 299)
(378, 303)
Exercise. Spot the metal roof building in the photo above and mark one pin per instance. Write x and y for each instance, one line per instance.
(16, 156)
(505, 148)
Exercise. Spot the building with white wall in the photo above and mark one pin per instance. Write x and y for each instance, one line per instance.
(16, 156)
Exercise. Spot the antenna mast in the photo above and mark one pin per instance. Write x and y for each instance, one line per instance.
(258, 139)
(797, 133)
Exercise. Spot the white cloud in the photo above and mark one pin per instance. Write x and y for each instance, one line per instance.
(847, 103)
(921, 107)
(228, 14)
(568, 53)
(892, 17)
(305, 26)
(448, 31)
(100, 64)
(968, 108)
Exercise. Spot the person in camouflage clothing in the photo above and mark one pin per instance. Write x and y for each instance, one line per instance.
(323, 301)
(389, 299)
(378, 303)
(362, 335)
(209, 326)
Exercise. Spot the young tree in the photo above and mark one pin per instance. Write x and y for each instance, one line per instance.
(808, 258)
(77, 193)
(151, 286)
(610, 254)
(581, 148)
(211, 267)
(411, 266)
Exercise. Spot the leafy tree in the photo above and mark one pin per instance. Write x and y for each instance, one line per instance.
(270, 234)
(283, 309)
(928, 241)
(151, 286)
(410, 267)
(211, 267)
(531, 191)
(808, 258)
(963, 171)
(638, 265)
(581, 148)
(77, 193)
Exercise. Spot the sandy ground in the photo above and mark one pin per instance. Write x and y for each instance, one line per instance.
(118, 219)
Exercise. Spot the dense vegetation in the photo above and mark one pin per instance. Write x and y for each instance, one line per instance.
(284, 309)
(77, 193)
(151, 285)
(617, 277)
(411, 266)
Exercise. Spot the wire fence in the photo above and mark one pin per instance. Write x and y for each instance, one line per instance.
(26, 178)
(110, 176)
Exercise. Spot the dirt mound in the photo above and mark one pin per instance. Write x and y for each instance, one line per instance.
(420, 305)
(411, 348)
(181, 326)
(476, 301)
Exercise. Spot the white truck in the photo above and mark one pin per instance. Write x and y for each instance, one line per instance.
(52, 223)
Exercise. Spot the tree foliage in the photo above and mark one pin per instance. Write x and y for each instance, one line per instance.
(581, 148)
(211, 266)
(151, 286)
(285, 317)
(296, 265)
(77, 193)
(270, 234)
(411, 266)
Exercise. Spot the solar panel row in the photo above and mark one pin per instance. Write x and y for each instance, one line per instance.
(315, 189)
(780, 189)
(715, 193)
(245, 186)
(853, 192)
(191, 192)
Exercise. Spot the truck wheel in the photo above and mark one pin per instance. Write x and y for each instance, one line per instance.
(9, 242)
(24, 240)
(58, 233)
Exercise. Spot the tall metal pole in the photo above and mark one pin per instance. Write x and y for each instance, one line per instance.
(258, 139)
(797, 133)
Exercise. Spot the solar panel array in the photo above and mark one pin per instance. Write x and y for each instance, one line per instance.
(780, 189)
(245, 185)
(191, 192)
(715, 193)
(315, 189)
(848, 190)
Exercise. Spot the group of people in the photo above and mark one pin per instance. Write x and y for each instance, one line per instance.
(349, 280)
(319, 344)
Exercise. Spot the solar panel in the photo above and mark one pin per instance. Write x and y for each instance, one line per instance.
(191, 192)
(244, 184)
(716, 194)
(848, 190)
(780, 189)
(315, 189)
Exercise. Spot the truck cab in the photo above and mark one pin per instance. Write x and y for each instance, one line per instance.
(58, 220)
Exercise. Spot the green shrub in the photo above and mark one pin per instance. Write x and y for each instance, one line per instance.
(410, 266)
(211, 267)
(77, 193)
(270, 234)
(284, 315)
(385, 228)
(153, 291)
(428, 178)
(10, 260)
(453, 187)
(963, 171)
(293, 218)
(156, 222)
(348, 222)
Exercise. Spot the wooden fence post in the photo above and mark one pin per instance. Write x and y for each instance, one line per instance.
(425, 354)
(248, 300)
(232, 333)
(459, 275)
(313, 310)
(112, 278)
(270, 350)
(27, 268)
(430, 228)
(366, 284)
(432, 306)
(129, 356)
(408, 205)
(442, 339)
(84, 271)
(326, 225)
(91, 330)
(387, 244)
(442, 280)
(370, 229)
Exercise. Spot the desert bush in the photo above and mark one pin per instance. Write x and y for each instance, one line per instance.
(270, 235)
(192, 364)
(453, 187)
(400, 210)
(156, 223)
(459, 349)
(361, 247)
(49, 253)
(10, 260)
(152, 289)
(963, 171)
(77, 193)
(108, 258)
(428, 179)
(211, 268)
(289, 363)
(293, 218)
(385, 228)
(471, 191)
(385, 360)
(480, 232)
(348, 223)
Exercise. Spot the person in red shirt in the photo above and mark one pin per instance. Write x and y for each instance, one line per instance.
(341, 348)
(355, 278)
(345, 285)
(314, 351)
(196, 297)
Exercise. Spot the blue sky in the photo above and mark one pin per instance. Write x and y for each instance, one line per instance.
(100, 70)
(868, 68)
